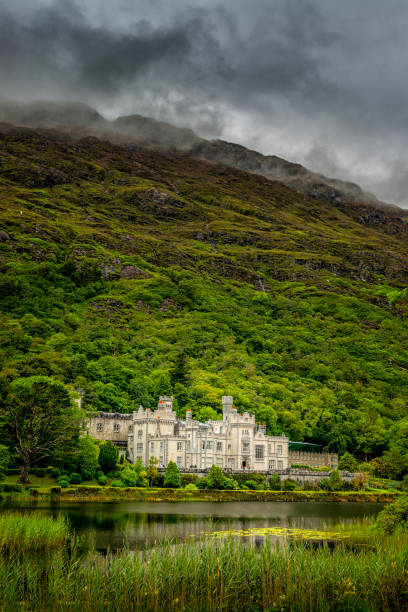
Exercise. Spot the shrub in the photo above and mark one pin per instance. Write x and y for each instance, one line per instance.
(242, 478)
(41, 472)
(55, 472)
(63, 482)
(75, 478)
(102, 480)
(113, 474)
(360, 481)
(188, 479)
(393, 516)
(191, 487)
(324, 484)
(55, 490)
(289, 484)
(347, 462)
(300, 466)
(230, 484)
(12, 488)
(13, 471)
(252, 484)
(275, 483)
(172, 476)
(336, 483)
(134, 477)
(202, 483)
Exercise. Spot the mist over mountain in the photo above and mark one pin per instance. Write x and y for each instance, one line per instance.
(80, 119)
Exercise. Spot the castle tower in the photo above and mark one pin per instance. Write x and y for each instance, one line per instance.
(227, 402)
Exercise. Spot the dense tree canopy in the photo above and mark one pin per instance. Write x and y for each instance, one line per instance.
(40, 418)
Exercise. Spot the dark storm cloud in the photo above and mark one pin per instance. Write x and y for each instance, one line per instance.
(319, 82)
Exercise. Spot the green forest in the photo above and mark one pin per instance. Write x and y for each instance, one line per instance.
(129, 274)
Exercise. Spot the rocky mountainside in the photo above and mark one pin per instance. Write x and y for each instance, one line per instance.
(80, 119)
(116, 258)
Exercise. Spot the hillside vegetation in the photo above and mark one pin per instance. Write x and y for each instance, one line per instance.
(131, 273)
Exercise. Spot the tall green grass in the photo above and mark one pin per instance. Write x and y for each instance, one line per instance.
(212, 576)
(31, 532)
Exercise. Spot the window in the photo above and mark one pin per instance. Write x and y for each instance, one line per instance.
(152, 447)
(130, 428)
(229, 446)
(140, 433)
(161, 445)
(179, 446)
(209, 444)
(179, 461)
(245, 432)
(272, 464)
(279, 450)
(280, 465)
(219, 446)
(245, 447)
(130, 439)
(116, 427)
(161, 459)
(139, 447)
(231, 463)
(188, 444)
(99, 427)
(269, 449)
(259, 451)
(203, 444)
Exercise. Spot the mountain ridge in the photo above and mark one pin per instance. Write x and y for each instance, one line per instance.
(81, 119)
(114, 259)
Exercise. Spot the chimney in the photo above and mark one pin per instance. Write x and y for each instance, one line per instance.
(227, 402)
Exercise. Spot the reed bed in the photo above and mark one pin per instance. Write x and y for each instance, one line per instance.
(212, 576)
(33, 531)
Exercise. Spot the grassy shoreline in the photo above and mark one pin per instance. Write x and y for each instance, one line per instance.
(212, 576)
(83, 493)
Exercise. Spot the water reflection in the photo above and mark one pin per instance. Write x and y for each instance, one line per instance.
(140, 525)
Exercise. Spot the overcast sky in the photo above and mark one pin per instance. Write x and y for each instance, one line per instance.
(322, 82)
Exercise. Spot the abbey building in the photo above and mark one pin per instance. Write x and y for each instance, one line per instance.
(235, 442)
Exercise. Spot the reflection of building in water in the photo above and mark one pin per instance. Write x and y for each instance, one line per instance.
(235, 442)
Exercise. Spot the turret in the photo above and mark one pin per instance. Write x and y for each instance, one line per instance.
(227, 403)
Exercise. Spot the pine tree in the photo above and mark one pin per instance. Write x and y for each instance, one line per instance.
(172, 477)
(108, 456)
(180, 372)
(215, 478)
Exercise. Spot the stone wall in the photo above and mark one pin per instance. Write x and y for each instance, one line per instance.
(313, 459)
(301, 476)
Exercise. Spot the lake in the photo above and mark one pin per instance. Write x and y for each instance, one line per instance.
(141, 525)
